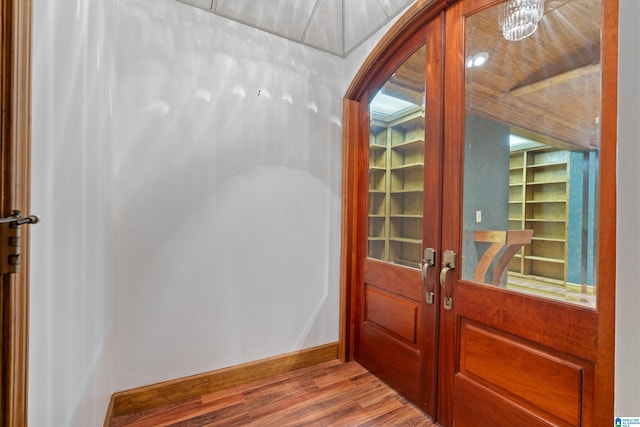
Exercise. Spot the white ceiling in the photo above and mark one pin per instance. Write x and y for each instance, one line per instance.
(334, 26)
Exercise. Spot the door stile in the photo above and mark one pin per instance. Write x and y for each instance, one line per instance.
(451, 203)
(349, 247)
(361, 219)
(432, 201)
(606, 267)
(353, 228)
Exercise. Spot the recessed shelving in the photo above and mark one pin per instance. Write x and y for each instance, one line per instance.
(407, 166)
(396, 175)
(408, 144)
(538, 200)
(545, 259)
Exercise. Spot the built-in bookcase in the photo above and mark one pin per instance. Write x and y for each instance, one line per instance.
(396, 175)
(538, 200)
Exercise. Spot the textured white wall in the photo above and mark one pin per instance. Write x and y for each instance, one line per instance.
(71, 337)
(628, 270)
(188, 223)
(226, 198)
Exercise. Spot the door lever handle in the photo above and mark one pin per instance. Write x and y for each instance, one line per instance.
(429, 260)
(10, 240)
(17, 219)
(443, 277)
(448, 264)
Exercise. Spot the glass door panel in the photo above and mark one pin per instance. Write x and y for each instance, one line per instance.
(532, 109)
(396, 165)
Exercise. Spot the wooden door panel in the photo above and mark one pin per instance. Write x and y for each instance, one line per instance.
(403, 281)
(566, 328)
(392, 360)
(476, 405)
(538, 379)
(397, 315)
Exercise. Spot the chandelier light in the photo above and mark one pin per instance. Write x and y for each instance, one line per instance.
(518, 19)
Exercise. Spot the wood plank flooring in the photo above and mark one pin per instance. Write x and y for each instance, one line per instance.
(327, 394)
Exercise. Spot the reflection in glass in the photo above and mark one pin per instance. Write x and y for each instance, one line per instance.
(396, 165)
(531, 153)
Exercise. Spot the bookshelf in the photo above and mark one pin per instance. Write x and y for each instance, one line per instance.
(538, 200)
(396, 175)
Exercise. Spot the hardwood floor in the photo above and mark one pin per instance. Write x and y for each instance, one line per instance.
(327, 394)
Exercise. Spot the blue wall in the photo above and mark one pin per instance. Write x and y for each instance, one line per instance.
(486, 186)
(583, 167)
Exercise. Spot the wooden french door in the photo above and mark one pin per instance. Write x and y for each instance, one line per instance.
(398, 315)
(518, 206)
(529, 210)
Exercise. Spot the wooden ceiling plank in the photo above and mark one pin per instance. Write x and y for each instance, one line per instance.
(556, 79)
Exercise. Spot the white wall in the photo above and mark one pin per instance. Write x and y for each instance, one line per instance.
(226, 198)
(197, 226)
(204, 216)
(628, 271)
(71, 337)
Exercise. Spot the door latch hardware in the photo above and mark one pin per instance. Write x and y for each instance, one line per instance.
(11, 240)
(448, 264)
(429, 260)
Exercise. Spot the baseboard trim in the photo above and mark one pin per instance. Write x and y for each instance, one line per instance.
(141, 398)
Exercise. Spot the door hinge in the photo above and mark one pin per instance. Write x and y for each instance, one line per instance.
(11, 240)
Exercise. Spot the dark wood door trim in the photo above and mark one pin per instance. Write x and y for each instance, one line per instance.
(606, 267)
(349, 270)
(414, 19)
(15, 130)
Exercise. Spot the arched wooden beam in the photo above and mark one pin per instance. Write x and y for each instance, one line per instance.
(414, 19)
(511, 240)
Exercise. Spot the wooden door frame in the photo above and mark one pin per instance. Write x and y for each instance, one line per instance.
(15, 129)
(353, 160)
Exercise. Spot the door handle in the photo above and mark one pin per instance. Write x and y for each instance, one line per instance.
(10, 240)
(448, 264)
(17, 219)
(429, 260)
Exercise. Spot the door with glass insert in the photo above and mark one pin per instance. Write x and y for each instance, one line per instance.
(398, 294)
(520, 327)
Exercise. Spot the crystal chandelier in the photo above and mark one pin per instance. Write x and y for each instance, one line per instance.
(518, 19)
